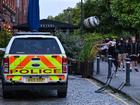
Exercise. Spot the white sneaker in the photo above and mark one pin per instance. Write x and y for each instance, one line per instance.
(119, 69)
(123, 69)
(130, 69)
(136, 69)
(116, 74)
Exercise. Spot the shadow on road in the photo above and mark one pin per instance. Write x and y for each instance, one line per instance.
(32, 95)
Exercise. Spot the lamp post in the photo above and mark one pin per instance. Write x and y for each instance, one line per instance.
(82, 18)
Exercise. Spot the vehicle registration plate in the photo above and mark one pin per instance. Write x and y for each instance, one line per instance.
(35, 80)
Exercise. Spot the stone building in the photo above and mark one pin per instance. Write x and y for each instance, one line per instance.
(13, 12)
(7, 13)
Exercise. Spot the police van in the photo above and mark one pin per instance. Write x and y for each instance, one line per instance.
(34, 60)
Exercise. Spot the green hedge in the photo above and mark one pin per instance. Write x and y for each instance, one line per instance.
(90, 49)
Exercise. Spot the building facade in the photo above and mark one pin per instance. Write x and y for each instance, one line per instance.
(22, 11)
(7, 13)
(13, 12)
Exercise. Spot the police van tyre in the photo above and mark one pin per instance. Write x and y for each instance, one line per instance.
(5, 90)
(62, 93)
(5, 93)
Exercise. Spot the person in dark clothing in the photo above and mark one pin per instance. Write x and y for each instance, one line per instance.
(121, 56)
(104, 49)
(138, 51)
(113, 52)
(127, 47)
(111, 48)
(134, 53)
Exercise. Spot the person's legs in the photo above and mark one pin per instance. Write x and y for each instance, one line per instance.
(116, 63)
(135, 64)
(132, 65)
(123, 61)
(131, 62)
(119, 62)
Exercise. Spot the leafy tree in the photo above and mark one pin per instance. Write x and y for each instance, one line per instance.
(74, 15)
(117, 17)
(90, 48)
(128, 14)
(71, 43)
(4, 38)
(50, 17)
(101, 9)
(61, 17)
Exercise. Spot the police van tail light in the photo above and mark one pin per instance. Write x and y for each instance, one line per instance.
(64, 65)
(6, 65)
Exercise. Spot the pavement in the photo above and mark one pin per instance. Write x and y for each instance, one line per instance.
(80, 92)
(132, 91)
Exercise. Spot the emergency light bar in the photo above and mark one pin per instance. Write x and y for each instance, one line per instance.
(31, 33)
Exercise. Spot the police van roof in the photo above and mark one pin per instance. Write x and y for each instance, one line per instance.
(31, 33)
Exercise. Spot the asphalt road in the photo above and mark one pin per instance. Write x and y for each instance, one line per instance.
(80, 92)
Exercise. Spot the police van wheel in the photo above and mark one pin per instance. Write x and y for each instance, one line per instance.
(6, 92)
(62, 93)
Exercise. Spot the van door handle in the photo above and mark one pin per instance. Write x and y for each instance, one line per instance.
(35, 65)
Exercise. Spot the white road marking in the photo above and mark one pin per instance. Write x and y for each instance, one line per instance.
(119, 99)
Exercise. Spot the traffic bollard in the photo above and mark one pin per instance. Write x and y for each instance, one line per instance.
(98, 65)
(93, 66)
(127, 82)
(109, 66)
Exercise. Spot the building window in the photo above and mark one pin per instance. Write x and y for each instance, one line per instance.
(13, 19)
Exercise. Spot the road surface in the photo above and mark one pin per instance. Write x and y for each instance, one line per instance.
(80, 92)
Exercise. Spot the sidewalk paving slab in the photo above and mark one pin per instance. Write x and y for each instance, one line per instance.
(133, 90)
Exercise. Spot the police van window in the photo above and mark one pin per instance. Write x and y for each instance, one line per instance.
(35, 46)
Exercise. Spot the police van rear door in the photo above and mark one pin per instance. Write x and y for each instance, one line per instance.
(35, 56)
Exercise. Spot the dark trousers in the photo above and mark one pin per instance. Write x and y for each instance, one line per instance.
(115, 61)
